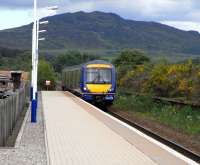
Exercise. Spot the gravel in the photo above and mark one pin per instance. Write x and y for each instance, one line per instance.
(31, 148)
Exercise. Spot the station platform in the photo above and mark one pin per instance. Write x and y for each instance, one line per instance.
(78, 134)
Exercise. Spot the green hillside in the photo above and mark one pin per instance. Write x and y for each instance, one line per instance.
(104, 31)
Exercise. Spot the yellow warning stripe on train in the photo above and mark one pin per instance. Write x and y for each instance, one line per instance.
(99, 66)
(98, 88)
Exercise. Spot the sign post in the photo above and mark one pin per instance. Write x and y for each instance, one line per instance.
(47, 83)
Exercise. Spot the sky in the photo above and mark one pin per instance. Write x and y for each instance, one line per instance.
(182, 14)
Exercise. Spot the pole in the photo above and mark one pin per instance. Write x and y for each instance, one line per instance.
(32, 73)
(37, 57)
(35, 54)
(34, 80)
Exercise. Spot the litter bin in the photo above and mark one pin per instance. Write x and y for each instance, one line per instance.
(16, 78)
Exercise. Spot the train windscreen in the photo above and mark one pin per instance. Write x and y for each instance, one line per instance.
(99, 76)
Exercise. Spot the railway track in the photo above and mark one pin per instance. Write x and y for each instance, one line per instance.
(165, 100)
(177, 102)
(186, 152)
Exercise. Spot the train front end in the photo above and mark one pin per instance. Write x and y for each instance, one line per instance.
(99, 84)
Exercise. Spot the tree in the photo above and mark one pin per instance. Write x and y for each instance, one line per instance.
(15, 59)
(132, 57)
(46, 72)
(128, 60)
(71, 58)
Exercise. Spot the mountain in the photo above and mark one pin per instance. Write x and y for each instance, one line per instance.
(103, 31)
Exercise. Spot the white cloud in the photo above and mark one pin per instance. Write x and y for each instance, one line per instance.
(73, 7)
(183, 25)
(9, 20)
(43, 12)
(157, 10)
(178, 13)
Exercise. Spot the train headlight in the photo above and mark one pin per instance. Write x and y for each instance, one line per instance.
(85, 89)
(110, 90)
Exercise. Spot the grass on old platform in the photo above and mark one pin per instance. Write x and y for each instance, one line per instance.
(182, 118)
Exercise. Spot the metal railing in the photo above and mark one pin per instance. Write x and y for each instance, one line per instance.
(10, 110)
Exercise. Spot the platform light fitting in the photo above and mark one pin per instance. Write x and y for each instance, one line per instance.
(41, 39)
(42, 31)
(44, 22)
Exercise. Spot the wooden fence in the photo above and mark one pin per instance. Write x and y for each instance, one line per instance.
(10, 110)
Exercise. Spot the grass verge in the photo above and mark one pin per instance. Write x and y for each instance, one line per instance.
(185, 119)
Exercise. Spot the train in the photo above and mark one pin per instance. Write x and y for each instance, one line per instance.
(94, 81)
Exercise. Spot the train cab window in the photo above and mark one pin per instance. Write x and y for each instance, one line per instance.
(99, 76)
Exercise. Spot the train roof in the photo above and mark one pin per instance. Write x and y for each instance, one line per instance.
(75, 67)
(98, 62)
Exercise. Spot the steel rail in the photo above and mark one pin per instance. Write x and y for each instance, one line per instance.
(186, 152)
(177, 147)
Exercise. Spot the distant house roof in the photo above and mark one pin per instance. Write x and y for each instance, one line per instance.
(5, 73)
(4, 78)
(8, 74)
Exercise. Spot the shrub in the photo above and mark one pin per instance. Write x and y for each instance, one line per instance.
(46, 72)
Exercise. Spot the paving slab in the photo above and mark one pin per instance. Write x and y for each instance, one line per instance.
(74, 137)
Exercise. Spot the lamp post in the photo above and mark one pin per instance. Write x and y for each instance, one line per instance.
(35, 55)
(33, 79)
